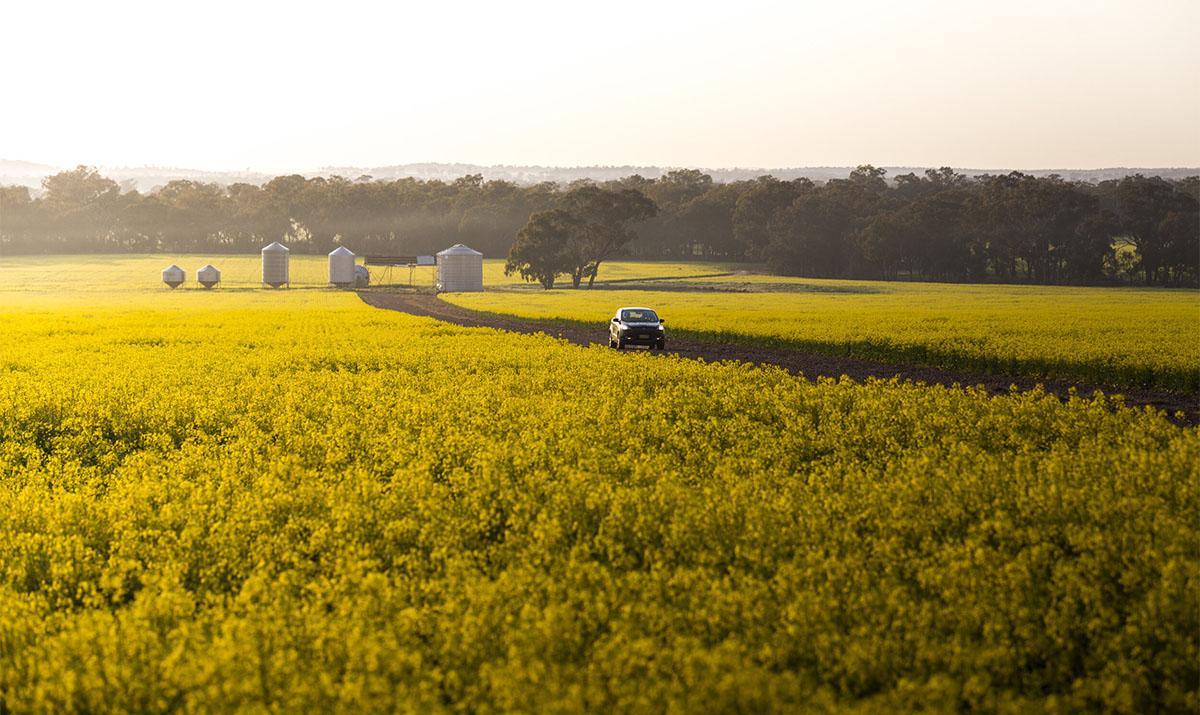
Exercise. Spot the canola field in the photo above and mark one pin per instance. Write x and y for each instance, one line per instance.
(290, 501)
(97, 275)
(1124, 337)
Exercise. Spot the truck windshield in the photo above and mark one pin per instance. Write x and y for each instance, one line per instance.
(639, 316)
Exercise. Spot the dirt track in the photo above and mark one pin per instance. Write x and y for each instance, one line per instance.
(810, 364)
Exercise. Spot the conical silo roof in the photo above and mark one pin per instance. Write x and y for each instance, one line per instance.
(276, 247)
(341, 251)
(459, 250)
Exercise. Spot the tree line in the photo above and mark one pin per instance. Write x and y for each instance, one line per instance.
(941, 225)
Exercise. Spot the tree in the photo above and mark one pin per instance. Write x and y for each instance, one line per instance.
(757, 206)
(932, 224)
(16, 217)
(78, 190)
(192, 212)
(1180, 230)
(707, 222)
(817, 234)
(811, 236)
(1144, 203)
(678, 187)
(602, 218)
(1090, 247)
(941, 246)
(83, 208)
(546, 247)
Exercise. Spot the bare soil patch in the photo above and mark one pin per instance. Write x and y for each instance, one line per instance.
(808, 364)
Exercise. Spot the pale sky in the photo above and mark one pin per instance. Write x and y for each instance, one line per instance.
(294, 86)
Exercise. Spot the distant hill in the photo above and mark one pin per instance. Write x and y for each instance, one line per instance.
(148, 178)
(535, 174)
(143, 178)
(11, 172)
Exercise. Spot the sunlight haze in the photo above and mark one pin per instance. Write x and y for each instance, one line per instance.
(757, 84)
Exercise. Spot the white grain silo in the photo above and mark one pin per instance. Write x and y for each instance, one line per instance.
(173, 276)
(341, 267)
(362, 277)
(208, 276)
(459, 269)
(275, 265)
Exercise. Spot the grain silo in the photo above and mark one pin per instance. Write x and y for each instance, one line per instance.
(208, 276)
(275, 265)
(173, 276)
(459, 269)
(362, 277)
(341, 267)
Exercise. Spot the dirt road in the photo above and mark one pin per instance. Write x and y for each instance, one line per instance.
(810, 364)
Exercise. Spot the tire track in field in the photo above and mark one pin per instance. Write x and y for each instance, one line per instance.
(808, 363)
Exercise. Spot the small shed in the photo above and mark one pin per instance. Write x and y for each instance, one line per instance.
(341, 267)
(275, 265)
(173, 276)
(459, 269)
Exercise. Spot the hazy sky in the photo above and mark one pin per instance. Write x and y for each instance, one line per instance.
(224, 85)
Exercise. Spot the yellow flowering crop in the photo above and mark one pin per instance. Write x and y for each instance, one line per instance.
(287, 500)
(1125, 337)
